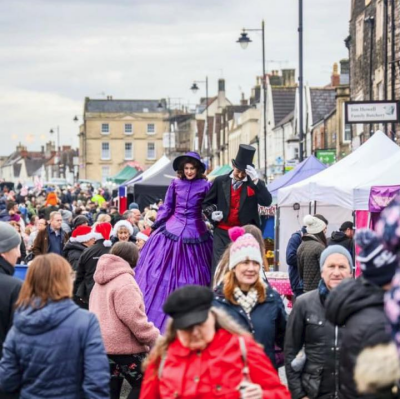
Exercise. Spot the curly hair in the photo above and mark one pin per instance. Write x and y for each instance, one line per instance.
(180, 172)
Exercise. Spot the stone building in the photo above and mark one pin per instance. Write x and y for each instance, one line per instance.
(115, 132)
(374, 52)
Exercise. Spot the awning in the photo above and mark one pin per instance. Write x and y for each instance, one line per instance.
(219, 171)
(127, 173)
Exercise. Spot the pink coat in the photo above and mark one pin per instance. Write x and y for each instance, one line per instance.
(117, 301)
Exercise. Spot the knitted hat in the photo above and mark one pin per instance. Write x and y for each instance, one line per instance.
(82, 234)
(313, 224)
(51, 199)
(9, 238)
(79, 221)
(347, 225)
(378, 265)
(144, 235)
(103, 231)
(335, 249)
(122, 224)
(388, 227)
(133, 205)
(244, 247)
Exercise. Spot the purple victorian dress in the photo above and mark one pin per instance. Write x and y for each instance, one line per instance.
(179, 252)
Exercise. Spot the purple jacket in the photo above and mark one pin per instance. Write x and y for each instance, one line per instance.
(181, 214)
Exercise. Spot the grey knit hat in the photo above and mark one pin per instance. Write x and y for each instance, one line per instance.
(9, 238)
(335, 249)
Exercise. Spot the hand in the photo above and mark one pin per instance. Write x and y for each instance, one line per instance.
(251, 391)
(217, 216)
(252, 173)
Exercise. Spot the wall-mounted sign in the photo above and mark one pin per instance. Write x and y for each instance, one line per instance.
(372, 111)
(328, 157)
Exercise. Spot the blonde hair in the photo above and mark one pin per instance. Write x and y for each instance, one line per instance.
(222, 320)
(48, 279)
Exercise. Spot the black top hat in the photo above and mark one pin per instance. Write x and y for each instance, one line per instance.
(189, 306)
(244, 157)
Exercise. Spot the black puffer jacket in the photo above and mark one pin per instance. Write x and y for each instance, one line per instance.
(308, 327)
(72, 252)
(339, 238)
(84, 282)
(358, 305)
(308, 255)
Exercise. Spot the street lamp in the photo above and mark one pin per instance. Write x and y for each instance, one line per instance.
(58, 147)
(244, 41)
(301, 83)
(194, 90)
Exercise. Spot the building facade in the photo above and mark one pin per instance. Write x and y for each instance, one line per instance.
(115, 132)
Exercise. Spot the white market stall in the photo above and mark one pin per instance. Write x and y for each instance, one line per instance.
(332, 191)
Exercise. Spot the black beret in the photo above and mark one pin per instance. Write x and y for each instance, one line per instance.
(189, 306)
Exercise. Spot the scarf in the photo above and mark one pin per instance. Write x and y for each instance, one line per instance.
(323, 290)
(247, 302)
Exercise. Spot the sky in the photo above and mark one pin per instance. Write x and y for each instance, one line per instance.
(54, 53)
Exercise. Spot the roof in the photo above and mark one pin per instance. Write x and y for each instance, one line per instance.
(32, 165)
(17, 169)
(323, 101)
(286, 119)
(124, 106)
(284, 102)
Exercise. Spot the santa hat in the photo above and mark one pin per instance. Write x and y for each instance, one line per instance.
(244, 247)
(82, 234)
(144, 235)
(119, 225)
(103, 231)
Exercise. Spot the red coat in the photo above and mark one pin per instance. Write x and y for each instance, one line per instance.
(215, 372)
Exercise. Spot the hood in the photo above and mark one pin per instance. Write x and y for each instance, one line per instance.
(109, 267)
(38, 321)
(350, 297)
(70, 246)
(339, 236)
(309, 237)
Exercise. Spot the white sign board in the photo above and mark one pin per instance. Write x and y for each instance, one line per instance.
(372, 111)
(169, 140)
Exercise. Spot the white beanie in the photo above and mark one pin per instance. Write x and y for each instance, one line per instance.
(313, 224)
(122, 223)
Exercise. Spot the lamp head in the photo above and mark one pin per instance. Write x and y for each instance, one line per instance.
(243, 40)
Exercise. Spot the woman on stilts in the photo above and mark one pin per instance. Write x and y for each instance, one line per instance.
(179, 251)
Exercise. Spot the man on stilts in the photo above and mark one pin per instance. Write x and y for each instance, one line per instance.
(233, 200)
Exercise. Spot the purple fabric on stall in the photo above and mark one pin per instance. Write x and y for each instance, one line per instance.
(381, 196)
(179, 252)
(309, 167)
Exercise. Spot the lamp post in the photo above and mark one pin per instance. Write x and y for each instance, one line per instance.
(301, 84)
(244, 41)
(58, 147)
(195, 89)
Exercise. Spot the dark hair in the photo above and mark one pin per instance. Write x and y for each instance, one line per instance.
(10, 205)
(180, 172)
(321, 217)
(321, 237)
(126, 250)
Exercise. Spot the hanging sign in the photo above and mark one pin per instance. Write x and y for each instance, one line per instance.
(372, 111)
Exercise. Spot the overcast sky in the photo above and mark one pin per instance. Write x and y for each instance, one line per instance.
(54, 53)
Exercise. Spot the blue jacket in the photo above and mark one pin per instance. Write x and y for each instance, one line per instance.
(55, 352)
(267, 320)
(291, 260)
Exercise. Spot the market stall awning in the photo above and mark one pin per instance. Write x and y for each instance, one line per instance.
(219, 171)
(127, 173)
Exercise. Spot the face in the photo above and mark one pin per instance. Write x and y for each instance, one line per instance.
(136, 215)
(199, 336)
(247, 273)
(335, 269)
(13, 210)
(12, 256)
(55, 223)
(140, 243)
(189, 171)
(41, 224)
(90, 242)
(123, 234)
(239, 174)
(349, 233)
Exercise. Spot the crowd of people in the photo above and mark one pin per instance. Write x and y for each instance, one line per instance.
(174, 299)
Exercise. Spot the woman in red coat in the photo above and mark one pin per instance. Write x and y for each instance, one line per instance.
(205, 354)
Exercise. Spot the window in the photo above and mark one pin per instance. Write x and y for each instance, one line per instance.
(105, 151)
(105, 128)
(359, 35)
(346, 128)
(105, 173)
(379, 20)
(151, 151)
(128, 150)
(128, 128)
(151, 128)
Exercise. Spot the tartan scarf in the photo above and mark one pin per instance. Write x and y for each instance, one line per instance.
(247, 302)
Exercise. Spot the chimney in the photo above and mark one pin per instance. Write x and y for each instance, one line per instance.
(221, 92)
(42, 149)
(243, 101)
(288, 77)
(344, 72)
(335, 78)
(109, 98)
